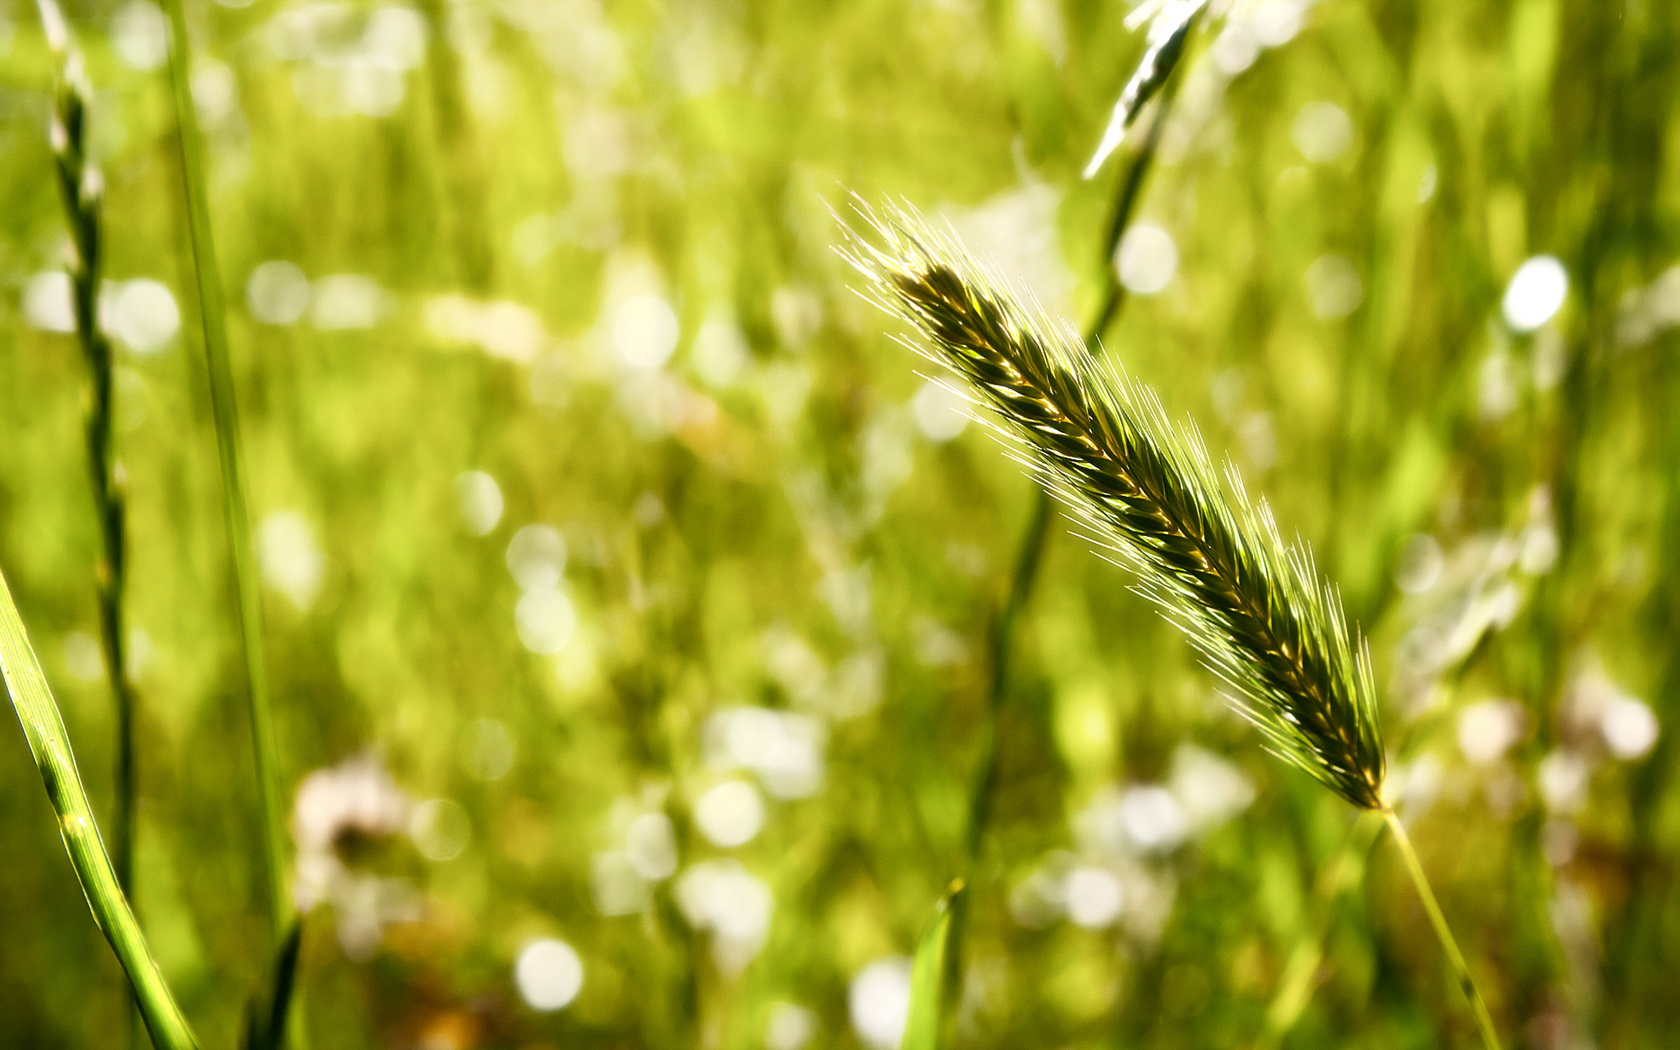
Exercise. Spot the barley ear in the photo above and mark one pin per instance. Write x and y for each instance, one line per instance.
(1147, 493)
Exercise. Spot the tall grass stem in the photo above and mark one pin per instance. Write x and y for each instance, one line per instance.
(43, 728)
(81, 189)
(1455, 958)
(1030, 554)
(224, 408)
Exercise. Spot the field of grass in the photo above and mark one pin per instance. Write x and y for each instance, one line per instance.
(479, 527)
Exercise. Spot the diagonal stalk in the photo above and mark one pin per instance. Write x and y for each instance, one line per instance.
(1461, 970)
(43, 727)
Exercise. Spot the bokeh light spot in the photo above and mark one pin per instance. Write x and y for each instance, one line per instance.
(549, 974)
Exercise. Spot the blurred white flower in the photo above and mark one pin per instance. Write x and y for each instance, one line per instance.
(1419, 565)
(440, 828)
(1322, 131)
(346, 301)
(941, 413)
(277, 292)
(536, 556)
(1488, 728)
(357, 796)
(480, 501)
(879, 1002)
(48, 302)
(791, 1027)
(651, 846)
(548, 973)
(1210, 789)
(1334, 289)
(489, 749)
(729, 814)
(783, 747)
(720, 353)
(1145, 818)
(1152, 817)
(1563, 777)
(501, 328)
(142, 315)
(140, 35)
(645, 331)
(1629, 727)
(618, 888)
(291, 560)
(731, 902)
(84, 658)
(1094, 897)
(1536, 293)
(546, 620)
(1147, 259)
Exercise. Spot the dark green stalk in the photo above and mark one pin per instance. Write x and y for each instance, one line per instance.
(43, 727)
(224, 408)
(80, 186)
(1030, 554)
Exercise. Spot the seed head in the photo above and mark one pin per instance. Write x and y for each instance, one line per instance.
(1147, 493)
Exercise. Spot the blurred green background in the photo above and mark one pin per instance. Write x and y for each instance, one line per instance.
(629, 590)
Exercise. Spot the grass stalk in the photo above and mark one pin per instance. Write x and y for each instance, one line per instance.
(43, 727)
(224, 409)
(1030, 554)
(1455, 958)
(81, 189)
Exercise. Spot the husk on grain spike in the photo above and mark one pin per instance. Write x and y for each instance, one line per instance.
(1213, 561)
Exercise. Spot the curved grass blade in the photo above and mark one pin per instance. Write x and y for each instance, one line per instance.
(43, 727)
(930, 972)
(265, 1021)
(1167, 35)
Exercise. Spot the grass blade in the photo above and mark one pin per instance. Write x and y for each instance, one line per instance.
(265, 1018)
(224, 408)
(43, 727)
(930, 972)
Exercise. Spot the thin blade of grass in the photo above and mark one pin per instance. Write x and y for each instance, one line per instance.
(224, 409)
(265, 1018)
(930, 972)
(43, 727)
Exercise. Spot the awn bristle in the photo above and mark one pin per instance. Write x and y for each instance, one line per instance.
(1211, 560)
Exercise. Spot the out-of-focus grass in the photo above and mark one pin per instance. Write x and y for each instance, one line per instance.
(585, 249)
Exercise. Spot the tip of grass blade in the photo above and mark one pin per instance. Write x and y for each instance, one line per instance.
(929, 973)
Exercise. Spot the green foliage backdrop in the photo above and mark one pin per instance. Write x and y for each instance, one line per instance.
(707, 737)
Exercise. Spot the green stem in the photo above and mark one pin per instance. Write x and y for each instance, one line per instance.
(1031, 551)
(224, 408)
(1461, 970)
(79, 188)
(43, 727)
